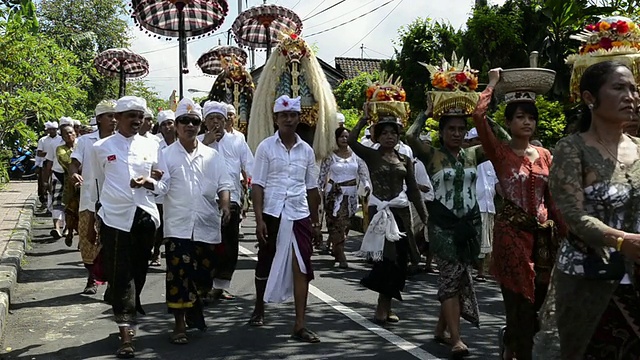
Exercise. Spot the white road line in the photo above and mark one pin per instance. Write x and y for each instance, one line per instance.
(394, 339)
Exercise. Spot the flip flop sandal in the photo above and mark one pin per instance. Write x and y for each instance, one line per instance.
(256, 320)
(90, 289)
(458, 352)
(226, 295)
(392, 317)
(305, 335)
(179, 339)
(126, 351)
(155, 262)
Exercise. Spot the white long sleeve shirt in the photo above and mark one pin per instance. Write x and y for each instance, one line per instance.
(238, 157)
(486, 187)
(190, 185)
(83, 153)
(119, 159)
(285, 177)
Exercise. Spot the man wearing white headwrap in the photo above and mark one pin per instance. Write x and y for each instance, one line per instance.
(53, 183)
(341, 119)
(128, 215)
(230, 125)
(81, 170)
(285, 201)
(147, 125)
(366, 139)
(166, 124)
(196, 187)
(239, 160)
(40, 157)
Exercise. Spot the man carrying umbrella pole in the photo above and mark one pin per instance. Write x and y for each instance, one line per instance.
(285, 201)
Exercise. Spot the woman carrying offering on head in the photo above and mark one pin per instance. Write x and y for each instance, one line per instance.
(385, 240)
(595, 180)
(339, 176)
(524, 244)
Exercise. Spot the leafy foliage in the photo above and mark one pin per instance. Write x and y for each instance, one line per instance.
(350, 94)
(87, 28)
(140, 89)
(426, 41)
(38, 82)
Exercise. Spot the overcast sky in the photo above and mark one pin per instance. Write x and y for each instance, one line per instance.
(343, 41)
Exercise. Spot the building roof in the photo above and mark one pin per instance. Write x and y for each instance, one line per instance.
(352, 67)
(333, 75)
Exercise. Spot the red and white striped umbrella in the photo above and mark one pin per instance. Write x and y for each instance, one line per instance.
(260, 26)
(182, 19)
(122, 63)
(211, 61)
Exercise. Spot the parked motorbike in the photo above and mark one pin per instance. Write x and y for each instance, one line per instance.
(22, 165)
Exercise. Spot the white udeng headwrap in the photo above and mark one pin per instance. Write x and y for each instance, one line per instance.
(285, 103)
(148, 113)
(165, 115)
(65, 120)
(105, 107)
(230, 109)
(341, 118)
(186, 106)
(214, 107)
(131, 103)
(51, 125)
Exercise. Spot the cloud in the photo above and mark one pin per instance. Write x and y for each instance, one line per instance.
(343, 41)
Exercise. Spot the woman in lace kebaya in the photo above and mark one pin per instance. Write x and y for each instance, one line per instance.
(525, 225)
(340, 175)
(595, 181)
(385, 240)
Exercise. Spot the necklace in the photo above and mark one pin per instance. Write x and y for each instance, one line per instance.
(622, 165)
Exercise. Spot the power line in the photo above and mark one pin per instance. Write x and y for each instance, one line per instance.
(341, 16)
(377, 52)
(321, 11)
(375, 27)
(314, 9)
(354, 19)
(294, 6)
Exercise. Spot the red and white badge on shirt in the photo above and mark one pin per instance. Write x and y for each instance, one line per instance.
(111, 158)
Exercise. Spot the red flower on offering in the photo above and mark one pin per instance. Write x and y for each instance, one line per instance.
(622, 27)
(606, 43)
(462, 78)
(591, 27)
(294, 36)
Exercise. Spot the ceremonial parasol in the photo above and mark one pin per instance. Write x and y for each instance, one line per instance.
(260, 26)
(182, 19)
(122, 63)
(211, 61)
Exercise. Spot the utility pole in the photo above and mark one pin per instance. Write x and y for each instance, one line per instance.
(362, 51)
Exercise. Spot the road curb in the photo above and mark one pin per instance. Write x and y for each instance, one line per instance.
(11, 259)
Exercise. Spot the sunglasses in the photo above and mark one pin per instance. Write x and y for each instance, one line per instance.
(189, 120)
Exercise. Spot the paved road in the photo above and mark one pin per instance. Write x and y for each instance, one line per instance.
(50, 320)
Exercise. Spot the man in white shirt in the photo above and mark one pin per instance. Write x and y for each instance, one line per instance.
(238, 159)
(123, 163)
(230, 125)
(82, 176)
(366, 139)
(485, 193)
(147, 125)
(54, 177)
(285, 201)
(40, 159)
(196, 187)
(166, 124)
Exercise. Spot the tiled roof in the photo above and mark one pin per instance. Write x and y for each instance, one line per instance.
(352, 67)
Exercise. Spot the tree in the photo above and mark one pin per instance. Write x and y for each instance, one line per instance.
(38, 82)
(140, 89)
(426, 41)
(350, 94)
(87, 28)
